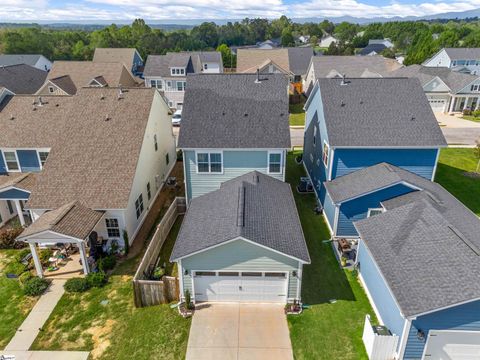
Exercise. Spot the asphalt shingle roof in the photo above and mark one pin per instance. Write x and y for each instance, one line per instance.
(426, 245)
(235, 111)
(388, 112)
(463, 53)
(16, 59)
(159, 65)
(22, 79)
(377, 48)
(122, 55)
(254, 206)
(455, 80)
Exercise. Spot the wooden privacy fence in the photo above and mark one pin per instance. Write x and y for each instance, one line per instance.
(151, 292)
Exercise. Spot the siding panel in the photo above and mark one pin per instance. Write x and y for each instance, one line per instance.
(3, 167)
(28, 160)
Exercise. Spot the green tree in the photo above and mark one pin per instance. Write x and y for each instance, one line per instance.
(227, 57)
(287, 38)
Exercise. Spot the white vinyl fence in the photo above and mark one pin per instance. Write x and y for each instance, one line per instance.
(379, 347)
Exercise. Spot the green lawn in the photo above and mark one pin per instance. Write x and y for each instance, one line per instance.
(471, 118)
(297, 114)
(452, 165)
(116, 329)
(14, 306)
(326, 330)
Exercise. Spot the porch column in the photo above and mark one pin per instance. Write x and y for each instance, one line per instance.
(465, 105)
(20, 212)
(452, 104)
(83, 257)
(477, 104)
(36, 259)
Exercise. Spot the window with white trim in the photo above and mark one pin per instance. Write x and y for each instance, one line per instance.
(43, 155)
(205, 66)
(11, 160)
(209, 162)
(113, 229)
(325, 154)
(374, 211)
(156, 83)
(149, 191)
(181, 85)
(139, 205)
(51, 89)
(275, 163)
(314, 136)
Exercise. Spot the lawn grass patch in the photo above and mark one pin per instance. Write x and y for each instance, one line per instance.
(471, 118)
(105, 321)
(452, 165)
(327, 330)
(297, 114)
(14, 305)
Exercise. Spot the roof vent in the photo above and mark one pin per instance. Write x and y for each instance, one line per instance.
(12, 117)
(412, 118)
(120, 94)
(241, 207)
(246, 114)
(102, 97)
(257, 80)
(107, 117)
(34, 107)
(40, 101)
(342, 104)
(344, 82)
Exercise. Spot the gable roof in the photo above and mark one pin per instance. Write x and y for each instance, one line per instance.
(456, 81)
(378, 112)
(253, 206)
(235, 111)
(377, 48)
(21, 78)
(82, 72)
(463, 53)
(65, 83)
(16, 59)
(427, 247)
(73, 220)
(159, 65)
(22, 181)
(295, 60)
(353, 66)
(125, 56)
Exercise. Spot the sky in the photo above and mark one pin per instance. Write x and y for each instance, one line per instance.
(174, 10)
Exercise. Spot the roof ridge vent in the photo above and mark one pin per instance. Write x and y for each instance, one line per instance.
(467, 242)
(241, 207)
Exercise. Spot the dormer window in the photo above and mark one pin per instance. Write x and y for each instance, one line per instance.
(177, 71)
(51, 89)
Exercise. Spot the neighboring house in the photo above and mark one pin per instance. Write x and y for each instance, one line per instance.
(256, 250)
(22, 79)
(265, 45)
(129, 57)
(446, 90)
(293, 62)
(327, 40)
(103, 150)
(303, 39)
(386, 42)
(418, 262)
(231, 125)
(38, 61)
(372, 49)
(458, 59)
(168, 73)
(67, 77)
(353, 124)
(349, 66)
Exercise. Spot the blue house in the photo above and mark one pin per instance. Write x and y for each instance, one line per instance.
(232, 125)
(352, 124)
(418, 260)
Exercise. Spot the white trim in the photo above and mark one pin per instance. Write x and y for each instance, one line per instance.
(13, 187)
(325, 143)
(404, 338)
(180, 276)
(443, 308)
(235, 239)
(209, 152)
(299, 281)
(217, 149)
(275, 152)
(28, 238)
(431, 147)
(186, 180)
(436, 163)
(14, 151)
(335, 219)
(330, 168)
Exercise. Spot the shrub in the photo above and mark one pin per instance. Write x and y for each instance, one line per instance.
(8, 236)
(45, 255)
(125, 241)
(98, 279)
(23, 278)
(476, 113)
(21, 254)
(15, 268)
(467, 112)
(35, 286)
(188, 300)
(107, 263)
(76, 285)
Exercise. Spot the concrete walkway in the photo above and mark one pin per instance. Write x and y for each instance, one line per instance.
(232, 331)
(45, 355)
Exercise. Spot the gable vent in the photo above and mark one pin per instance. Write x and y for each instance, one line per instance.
(241, 207)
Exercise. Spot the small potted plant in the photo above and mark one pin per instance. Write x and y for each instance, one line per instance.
(294, 308)
(343, 261)
(187, 308)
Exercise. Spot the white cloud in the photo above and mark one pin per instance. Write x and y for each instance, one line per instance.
(90, 10)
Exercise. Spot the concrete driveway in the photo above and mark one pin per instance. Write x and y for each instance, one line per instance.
(232, 331)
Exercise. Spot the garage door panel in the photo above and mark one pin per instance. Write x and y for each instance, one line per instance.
(452, 345)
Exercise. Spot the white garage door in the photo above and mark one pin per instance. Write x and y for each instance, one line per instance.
(452, 345)
(240, 286)
(438, 105)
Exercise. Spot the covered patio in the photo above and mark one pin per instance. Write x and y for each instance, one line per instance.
(67, 228)
(14, 192)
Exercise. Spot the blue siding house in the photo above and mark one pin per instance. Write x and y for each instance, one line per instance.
(232, 125)
(353, 124)
(418, 260)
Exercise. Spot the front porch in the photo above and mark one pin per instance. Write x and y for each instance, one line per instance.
(461, 103)
(14, 192)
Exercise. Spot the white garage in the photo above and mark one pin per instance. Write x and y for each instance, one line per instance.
(452, 345)
(438, 104)
(248, 286)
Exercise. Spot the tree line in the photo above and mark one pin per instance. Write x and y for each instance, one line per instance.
(417, 40)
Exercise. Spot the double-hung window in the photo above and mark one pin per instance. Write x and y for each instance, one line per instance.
(209, 162)
(11, 160)
(113, 230)
(43, 157)
(275, 163)
(180, 85)
(139, 205)
(325, 154)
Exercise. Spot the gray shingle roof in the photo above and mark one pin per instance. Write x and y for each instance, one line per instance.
(268, 217)
(367, 112)
(427, 247)
(455, 80)
(159, 65)
(22, 79)
(234, 111)
(378, 48)
(16, 59)
(463, 53)
(353, 66)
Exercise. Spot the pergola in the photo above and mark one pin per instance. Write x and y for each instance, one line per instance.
(69, 224)
(16, 187)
